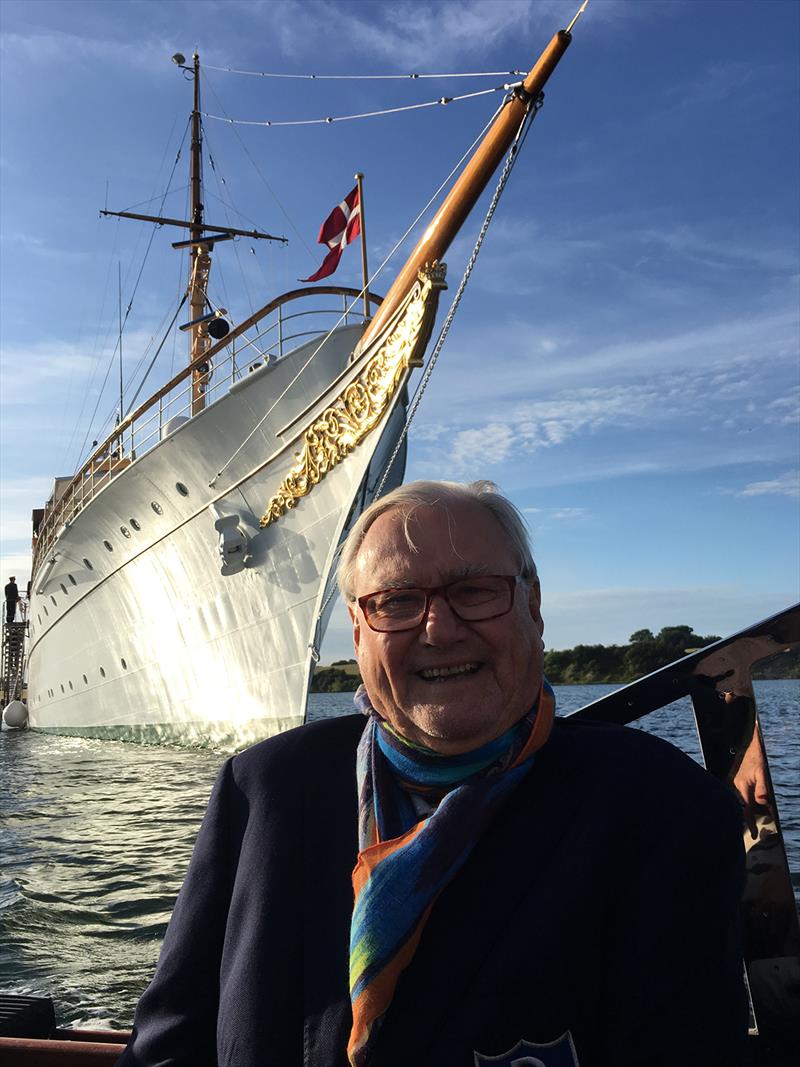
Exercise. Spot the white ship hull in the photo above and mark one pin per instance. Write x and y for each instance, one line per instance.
(153, 638)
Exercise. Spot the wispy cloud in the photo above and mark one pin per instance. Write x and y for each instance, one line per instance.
(784, 410)
(671, 253)
(557, 514)
(694, 412)
(18, 564)
(718, 251)
(18, 496)
(492, 443)
(27, 369)
(42, 48)
(545, 424)
(713, 361)
(36, 246)
(418, 35)
(717, 82)
(30, 368)
(787, 484)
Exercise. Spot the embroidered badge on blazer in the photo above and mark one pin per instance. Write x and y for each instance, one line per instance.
(559, 1053)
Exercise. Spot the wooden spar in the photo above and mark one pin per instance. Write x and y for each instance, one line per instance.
(199, 258)
(212, 233)
(471, 183)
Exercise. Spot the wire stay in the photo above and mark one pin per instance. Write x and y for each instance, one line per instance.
(346, 312)
(367, 77)
(329, 119)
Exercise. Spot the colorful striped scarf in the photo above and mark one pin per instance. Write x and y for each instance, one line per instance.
(405, 861)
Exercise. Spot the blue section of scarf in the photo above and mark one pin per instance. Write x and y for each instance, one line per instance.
(390, 769)
(467, 790)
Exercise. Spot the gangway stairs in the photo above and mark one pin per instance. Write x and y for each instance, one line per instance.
(13, 658)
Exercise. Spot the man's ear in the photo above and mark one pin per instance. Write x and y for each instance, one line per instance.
(352, 611)
(535, 605)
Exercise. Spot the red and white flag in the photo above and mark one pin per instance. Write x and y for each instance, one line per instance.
(341, 227)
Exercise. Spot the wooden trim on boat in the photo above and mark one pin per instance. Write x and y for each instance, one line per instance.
(67, 1048)
(98, 462)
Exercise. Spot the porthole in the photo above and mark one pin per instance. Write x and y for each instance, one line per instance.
(72, 579)
(88, 565)
(39, 618)
(124, 531)
(54, 601)
(62, 687)
(44, 609)
(135, 524)
(124, 665)
(85, 680)
(109, 546)
(63, 589)
(154, 504)
(71, 685)
(181, 488)
(102, 673)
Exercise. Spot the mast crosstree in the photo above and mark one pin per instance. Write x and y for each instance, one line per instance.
(202, 237)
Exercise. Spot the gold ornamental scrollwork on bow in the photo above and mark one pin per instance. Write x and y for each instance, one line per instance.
(361, 405)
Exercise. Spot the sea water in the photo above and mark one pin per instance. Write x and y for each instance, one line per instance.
(95, 837)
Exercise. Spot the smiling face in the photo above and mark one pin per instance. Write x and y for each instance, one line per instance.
(447, 684)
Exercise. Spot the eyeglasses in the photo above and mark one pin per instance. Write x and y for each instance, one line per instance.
(475, 599)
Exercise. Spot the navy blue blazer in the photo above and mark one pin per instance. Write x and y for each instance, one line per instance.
(603, 900)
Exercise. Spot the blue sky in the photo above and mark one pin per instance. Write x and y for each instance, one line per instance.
(625, 362)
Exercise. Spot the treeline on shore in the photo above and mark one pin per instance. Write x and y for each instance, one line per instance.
(591, 664)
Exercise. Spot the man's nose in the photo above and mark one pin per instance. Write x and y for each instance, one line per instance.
(442, 623)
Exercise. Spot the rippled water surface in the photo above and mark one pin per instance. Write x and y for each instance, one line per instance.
(95, 837)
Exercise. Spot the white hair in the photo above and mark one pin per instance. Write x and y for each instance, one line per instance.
(407, 498)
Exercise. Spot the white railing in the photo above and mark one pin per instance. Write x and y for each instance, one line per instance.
(229, 360)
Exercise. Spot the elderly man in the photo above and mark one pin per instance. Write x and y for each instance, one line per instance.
(452, 876)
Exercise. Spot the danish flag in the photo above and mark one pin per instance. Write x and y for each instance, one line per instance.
(341, 227)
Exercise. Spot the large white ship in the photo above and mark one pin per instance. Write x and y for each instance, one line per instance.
(182, 578)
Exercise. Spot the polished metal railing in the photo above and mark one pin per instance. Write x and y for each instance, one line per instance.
(264, 337)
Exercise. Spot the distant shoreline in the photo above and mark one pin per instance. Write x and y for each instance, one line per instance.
(595, 664)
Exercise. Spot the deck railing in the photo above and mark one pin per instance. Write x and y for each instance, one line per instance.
(262, 338)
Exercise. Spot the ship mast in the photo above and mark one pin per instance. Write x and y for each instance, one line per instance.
(200, 254)
(203, 327)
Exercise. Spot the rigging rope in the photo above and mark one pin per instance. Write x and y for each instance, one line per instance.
(157, 353)
(513, 154)
(365, 77)
(270, 190)
(355, 300)
(94, 355)
(364, 114)
(228, 208)
(135, 289)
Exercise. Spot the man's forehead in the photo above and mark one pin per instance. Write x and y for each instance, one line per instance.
(446, 544)
(400, 573)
